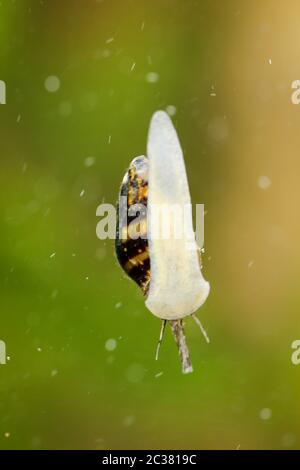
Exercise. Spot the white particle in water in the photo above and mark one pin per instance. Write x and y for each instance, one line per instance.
(89, 161)
(250, 264)
(132, 67)
(118, 305)
(110, 344)
(7, 434)
(152, 77)
(171, 110)
(270, 61)
(264, 182)
(82, 192)
(109, 139)
(52, 255)
(52, 83)
(109, 40)
(19, 118)
(159, 374)
(54, 372)
(39, 349)
(265, 414)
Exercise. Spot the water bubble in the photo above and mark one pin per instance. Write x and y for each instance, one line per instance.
(89, 161)
(152, 77)
(264, 182)
(265, 414)
(110, 344)
(52, 83)
(171, 110)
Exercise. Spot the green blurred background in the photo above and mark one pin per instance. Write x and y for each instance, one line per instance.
(225, 69)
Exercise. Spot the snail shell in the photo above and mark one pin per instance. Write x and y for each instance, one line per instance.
(167, 270)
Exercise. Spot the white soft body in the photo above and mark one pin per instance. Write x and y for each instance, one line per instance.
(177, 287)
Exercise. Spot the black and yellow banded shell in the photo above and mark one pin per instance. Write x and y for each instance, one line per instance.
(133, 254)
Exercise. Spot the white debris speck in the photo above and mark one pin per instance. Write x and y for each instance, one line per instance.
(270, 61)
(213, 94)
(82, 192)
(265, 414)
(159, 374)
(65, 108)
(73, 254)
(128, 421)
(54, 372)
(171, 110)
(109, 40)
(19, 118)
(132, 67)
(7, 434)
(250, 264)
(110, 344)
(143, 26)
(152, 77)
(52, 255)
(24, 167)
(118, 305)
(39, 349)
(89, 161)
(52, 83)
(86, 278)
(264, 182)
(8, 358)
(135, 373)
(109, 139)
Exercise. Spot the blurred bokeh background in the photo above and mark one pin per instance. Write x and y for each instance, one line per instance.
(83, 78)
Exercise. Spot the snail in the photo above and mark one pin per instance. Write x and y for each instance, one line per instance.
(167, 269)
